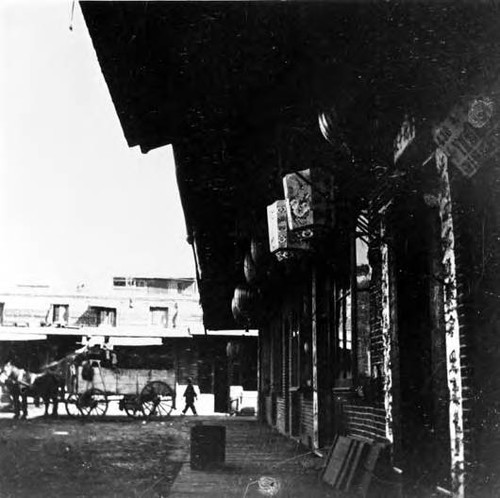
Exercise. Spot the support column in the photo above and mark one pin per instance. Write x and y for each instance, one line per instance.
(453, 363)
(314, 360)
(386, 330)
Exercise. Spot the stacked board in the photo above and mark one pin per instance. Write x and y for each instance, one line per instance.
(351, 464)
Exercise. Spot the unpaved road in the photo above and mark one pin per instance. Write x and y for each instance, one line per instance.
(111, 457)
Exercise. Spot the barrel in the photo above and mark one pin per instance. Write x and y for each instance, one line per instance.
(208, 446)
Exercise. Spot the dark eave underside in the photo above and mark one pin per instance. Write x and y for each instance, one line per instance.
(236, 87)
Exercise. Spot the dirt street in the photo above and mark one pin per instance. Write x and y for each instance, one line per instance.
(112, 457)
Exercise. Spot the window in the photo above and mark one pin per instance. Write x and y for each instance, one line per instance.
(205, 374)
(128, 282)
(295, 350)
(343, 336)
(277, 360)
(363, 277)
(106, 317)
(159, 317)
(119, 282)
(60, 314)
(184, 287)
(350, 303)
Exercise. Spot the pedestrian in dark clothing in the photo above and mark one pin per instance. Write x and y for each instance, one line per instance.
(190, 395)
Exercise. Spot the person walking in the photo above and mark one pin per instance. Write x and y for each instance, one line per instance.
(190, 395)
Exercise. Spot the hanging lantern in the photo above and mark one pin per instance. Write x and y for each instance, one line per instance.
(233, 349)
(283, 243)
(331, 129)
(309, 202)
(249, 269)
(259, 251)
(245, 305)
(236, 311)
(329, 125)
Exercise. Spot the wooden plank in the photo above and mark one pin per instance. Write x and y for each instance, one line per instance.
(335, 464)
(360, 451)
(368, 468)
(344, 470)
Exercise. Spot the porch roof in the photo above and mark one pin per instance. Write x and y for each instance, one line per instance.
(236, 88)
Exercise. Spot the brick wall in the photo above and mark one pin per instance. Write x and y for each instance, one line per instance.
(306, 421)
(365, 421)
(280, 415)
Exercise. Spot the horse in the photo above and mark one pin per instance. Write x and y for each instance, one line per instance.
(47, 386)
(17, 381)
(22, 384)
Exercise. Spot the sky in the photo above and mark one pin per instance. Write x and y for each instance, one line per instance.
(77, 205)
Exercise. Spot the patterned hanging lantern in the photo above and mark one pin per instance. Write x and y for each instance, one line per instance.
(309, 202)
(283, 243)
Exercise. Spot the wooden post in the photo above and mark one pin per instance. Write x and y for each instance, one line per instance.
(260, 395)
(452, 337)
(386, 331)
(314, 360)
(354, 305)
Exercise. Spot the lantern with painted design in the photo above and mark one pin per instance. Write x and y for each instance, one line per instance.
(283, 243)
(309, 202)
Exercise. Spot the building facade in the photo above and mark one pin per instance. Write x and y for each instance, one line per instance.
(337, 165)
(156, 319)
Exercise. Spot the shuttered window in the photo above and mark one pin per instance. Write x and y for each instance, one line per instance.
(159, 317)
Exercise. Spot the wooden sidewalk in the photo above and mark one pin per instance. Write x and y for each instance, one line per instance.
(253, 450)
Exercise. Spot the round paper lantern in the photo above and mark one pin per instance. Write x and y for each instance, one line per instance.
(328, 124)
(236, 311)
(245, 304)
(233, 349)
(331, 129)
(249, 269)
(259, 250)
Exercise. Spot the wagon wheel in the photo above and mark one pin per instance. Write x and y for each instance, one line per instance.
(93, 402)
(132, 406)
(157, 399)
(71, 404)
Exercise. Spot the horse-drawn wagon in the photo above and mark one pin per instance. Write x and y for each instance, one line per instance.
(95, 378)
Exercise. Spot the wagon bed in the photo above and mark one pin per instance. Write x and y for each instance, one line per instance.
(123, 381)
(141, 392)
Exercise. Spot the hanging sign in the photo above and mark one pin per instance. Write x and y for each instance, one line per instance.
(470, 135)
(405, 137)
(283, 243)
(309, 202)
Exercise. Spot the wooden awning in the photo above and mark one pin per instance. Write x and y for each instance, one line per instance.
(236, 88)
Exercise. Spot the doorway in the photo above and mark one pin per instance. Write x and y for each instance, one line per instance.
(424, 447)
(221, 385)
